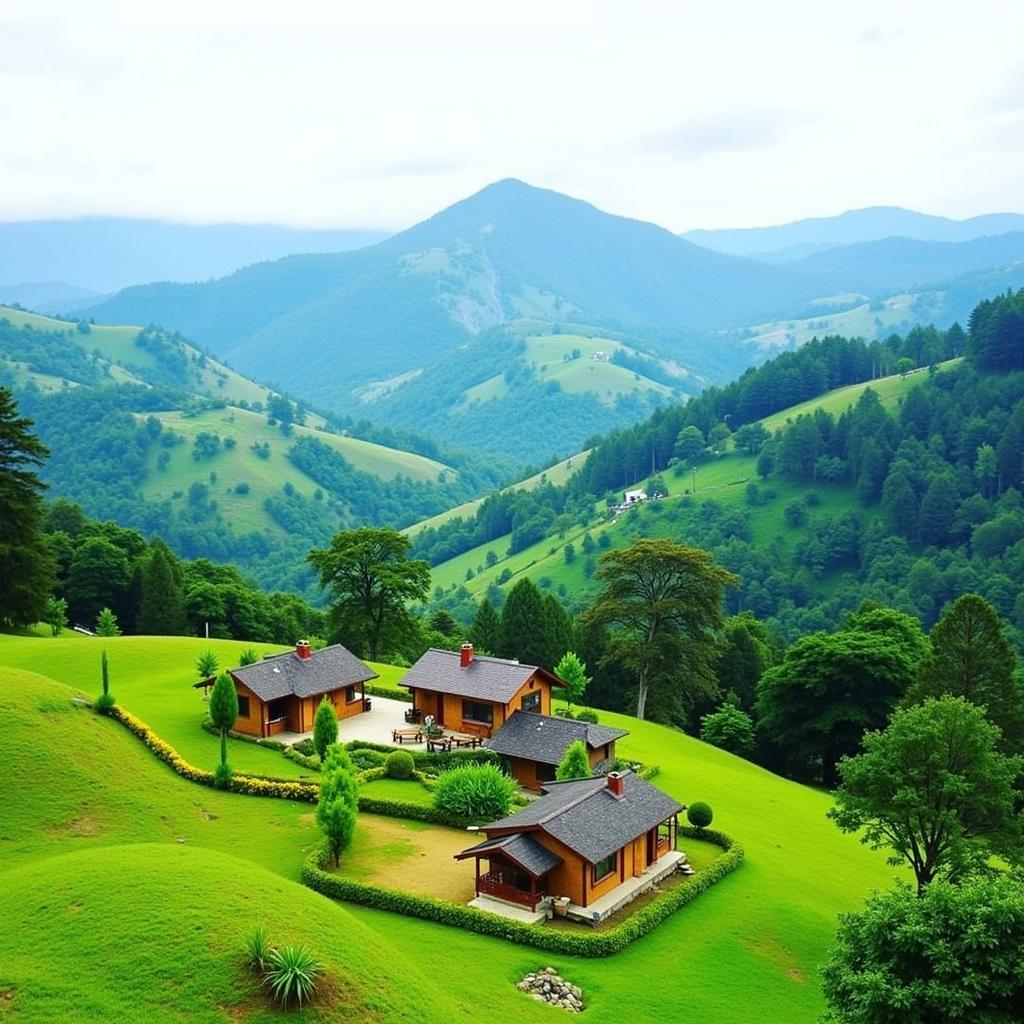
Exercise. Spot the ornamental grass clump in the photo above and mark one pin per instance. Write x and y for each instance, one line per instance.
(258, 948)
(291, 974)
(474, 794)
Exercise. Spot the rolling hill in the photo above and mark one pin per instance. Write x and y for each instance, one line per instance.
(93, 861)
(783, 243)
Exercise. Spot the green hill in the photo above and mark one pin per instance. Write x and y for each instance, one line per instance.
(154, 931)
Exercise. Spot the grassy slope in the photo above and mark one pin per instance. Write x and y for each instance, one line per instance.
(265, 476)
(722, 479)
(556, 474)
(756, 939)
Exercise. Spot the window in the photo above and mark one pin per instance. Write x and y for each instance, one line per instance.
(277, 709)
(472, 711)
(603, 868)
(351, 694)
(530, 701)
(546, 772)
(243, 707)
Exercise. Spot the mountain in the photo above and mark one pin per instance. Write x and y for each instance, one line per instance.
(104, 254)
(789, 242)
(148, 431)
(323, 325)
(49, 296)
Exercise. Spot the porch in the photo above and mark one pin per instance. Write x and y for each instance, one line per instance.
(666, 864)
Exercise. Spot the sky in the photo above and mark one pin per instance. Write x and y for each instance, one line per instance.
(344, 114)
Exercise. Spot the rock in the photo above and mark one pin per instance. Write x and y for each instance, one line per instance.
(546, 986)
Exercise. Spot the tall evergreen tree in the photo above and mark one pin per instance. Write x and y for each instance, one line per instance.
(224, 710)
(27, 566)
(161, 603)
(97, 578)
(524, 624)
(970, 657)
(938, 507)
(485, 632)
(325, 728)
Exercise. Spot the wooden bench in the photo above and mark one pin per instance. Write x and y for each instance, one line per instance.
(439, 744)
(399, 736)
(465, 739)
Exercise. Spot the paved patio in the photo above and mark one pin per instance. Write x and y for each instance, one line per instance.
(374, 725)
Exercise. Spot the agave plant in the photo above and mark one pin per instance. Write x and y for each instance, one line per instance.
(291, 974)
(258, 948)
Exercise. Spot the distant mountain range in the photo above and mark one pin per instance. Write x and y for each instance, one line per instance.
(784, 243)
(105, 254)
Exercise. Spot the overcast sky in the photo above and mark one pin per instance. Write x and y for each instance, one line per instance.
(378, 114)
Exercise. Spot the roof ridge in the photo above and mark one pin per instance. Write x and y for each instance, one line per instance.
(513, 662)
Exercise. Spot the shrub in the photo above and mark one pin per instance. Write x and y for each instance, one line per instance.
(258, 948)
(400, 765)
(575, 764)
(305, 747)
(291, 974)
(729, 728)
(222, 775)
(310, 763)
(587, 715)
(248, 657)
(794, 514)
(564, 713)
(105, 701)
(206, 664)
(700, 815)
(474, 794)
(364, 759)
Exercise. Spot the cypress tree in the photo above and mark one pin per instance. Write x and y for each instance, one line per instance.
(224, 710)
(161, 603)
(27, 567)
(338, 804)
(325, 728)
(486, 629)
(524, 632)
(938, 506)
(575, 763)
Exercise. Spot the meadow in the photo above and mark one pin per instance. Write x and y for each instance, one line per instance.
(749, 949)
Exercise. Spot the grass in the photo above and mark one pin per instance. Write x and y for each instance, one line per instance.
(264, 476)
(408, 791)
(83, 783)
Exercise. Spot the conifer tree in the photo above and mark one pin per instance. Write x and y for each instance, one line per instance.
(224, 710)
(325, 728)
(485, 632)
(338, 804)
(106, 623)
(575, 763)
(161, 604)
(524, 621)
(571, 670)
(27, 568)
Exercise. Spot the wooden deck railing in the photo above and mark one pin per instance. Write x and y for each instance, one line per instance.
(492, 884)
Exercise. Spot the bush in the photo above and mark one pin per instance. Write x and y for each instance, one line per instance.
(310, 763)
(585, 943)
(364, 759)
(390, 692)
(700, 815)
(587, 715)
(400, 765)
(473, 795)
(291, 974)
(103, 703)
(794, 514)
(304, 747)
(257, 947)
(564, 713)
(729, 728)
(222, 775)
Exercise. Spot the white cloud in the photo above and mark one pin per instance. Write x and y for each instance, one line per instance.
(343, 114)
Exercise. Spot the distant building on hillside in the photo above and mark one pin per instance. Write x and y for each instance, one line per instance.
(635, 497)
(599, 357)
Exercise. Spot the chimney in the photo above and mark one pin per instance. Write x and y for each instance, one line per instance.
(303, 650)
(466, 656)
(616, 783)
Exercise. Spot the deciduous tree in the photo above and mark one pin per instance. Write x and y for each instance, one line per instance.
(573, 673)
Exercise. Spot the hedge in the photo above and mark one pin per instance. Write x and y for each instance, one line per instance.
(309, 763)
(391, 692)
(592, 944)
(245, 737)
(426, 759)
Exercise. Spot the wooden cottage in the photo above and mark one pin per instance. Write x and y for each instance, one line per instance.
(534, 745)
(465, 692)
(591, 844)
(281, 693)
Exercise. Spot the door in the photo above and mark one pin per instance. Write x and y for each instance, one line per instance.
(652, 846)
(439, 717)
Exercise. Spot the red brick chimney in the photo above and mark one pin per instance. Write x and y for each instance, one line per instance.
(466, 656)
(303, 650)
(616, 783)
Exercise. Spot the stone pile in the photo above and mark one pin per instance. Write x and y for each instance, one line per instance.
(547, 987)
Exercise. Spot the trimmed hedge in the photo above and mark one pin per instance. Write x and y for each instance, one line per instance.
(593, 944)
(245, 737)
(424, 759)
(310, 763)
(390, 692)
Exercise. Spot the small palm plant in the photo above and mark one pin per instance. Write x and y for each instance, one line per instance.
(258, 948)
(291, 974)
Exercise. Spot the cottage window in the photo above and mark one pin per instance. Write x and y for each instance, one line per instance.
(473, 711)
(530, 701)
(351, 695)
(243, 707)
(277, 709)
(546, 772)
(603, 868)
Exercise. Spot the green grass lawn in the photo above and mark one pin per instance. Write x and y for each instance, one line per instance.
(411, 791)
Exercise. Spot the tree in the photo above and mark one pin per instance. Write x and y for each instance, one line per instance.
(224, 710)
(98, 576)
(829, 689)
(971, 658)
(105, 701)
(325, 728)
(371, 579)
(765, 462)
(690, 444)
(56, 615)
(524, 624)
(750, 438)
(27, 566)
(666, 602)
(207, 664)
(986, 469)
(729, 728)
(938, 506)
(933, 788)
(106, 623)
(744, 651)
(161, 603)
(573, 673)
(338, 803)
(718, 438)
(485, 632)
(575, 763)
(951, 955)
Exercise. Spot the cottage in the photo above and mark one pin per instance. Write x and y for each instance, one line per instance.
(281, 693)
(635, 497)
(591, 845)
(535, 745)
(466, 692)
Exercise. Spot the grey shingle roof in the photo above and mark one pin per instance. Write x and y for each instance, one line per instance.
(589, 819)
(522, 850)
(287, 674)
(493, 679)
(544, 738)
